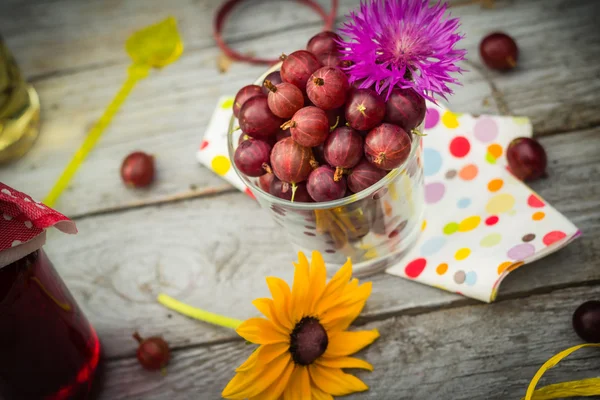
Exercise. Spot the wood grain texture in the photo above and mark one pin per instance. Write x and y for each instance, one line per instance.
(214, 253)
(75, 50)
(487, 352)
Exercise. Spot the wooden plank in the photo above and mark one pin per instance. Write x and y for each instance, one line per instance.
(483, 352)
(214, 253)
(167, 112)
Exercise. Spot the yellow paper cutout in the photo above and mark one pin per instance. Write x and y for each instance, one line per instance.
(585, 387)
(153, 47)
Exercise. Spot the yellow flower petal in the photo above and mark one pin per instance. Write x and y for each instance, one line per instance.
(317, 278)
(267, 308)
(269, 352)
(300, 288)
(337, 283)
(347, 299)
(339, 318)
(256, 380)
(346, 343)
(344, 362)
(260, 331)
(334, 381)
(276, 389)
(280, 291)
(298, 387)
(250, 362)
(318, 394)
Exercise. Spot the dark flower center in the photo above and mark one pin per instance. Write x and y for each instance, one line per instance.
(308, 341)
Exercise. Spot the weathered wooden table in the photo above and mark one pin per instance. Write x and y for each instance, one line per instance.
(196, 238)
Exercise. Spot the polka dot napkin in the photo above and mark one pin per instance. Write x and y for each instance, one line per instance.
(481, 222)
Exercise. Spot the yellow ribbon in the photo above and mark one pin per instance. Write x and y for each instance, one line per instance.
(155, 46)
(197, 313)
(585, 387)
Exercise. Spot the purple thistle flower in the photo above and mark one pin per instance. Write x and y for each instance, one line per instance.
(403, 43)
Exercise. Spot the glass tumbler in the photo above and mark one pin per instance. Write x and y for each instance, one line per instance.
(374, 227)
(48, 349)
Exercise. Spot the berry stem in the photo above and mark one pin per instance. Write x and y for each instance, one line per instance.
(511, 61)
(418, 133)
(319, 81)
(289, 124)
(267, 168)
(314, 164)
(339, 172)
(269, 85)
(294, 187)
(137, 337)
(380, 158)
(283, 56)
(337, 121)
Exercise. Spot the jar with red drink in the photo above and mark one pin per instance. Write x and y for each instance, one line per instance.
(48, 349)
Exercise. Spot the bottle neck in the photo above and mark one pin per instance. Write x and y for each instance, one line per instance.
(19, 251)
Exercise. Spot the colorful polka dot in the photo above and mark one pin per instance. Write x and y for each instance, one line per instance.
(528, 238)
(450, 174)
(490, 158)
(459, 277)
(486, 129)
(491, 221)
(220, 164)
(469, 223)
(203, 144)
(227, 104)
(450, 228)
(463, 202)
(521, 251)
(490, 240)
(468, 172)
(460, 146)
(500, 203)
(433, 245)
(441, 269)
(450, 120)
(432, 117)
(415, 267)
(434, 192)
(433, 161)
(553, 237)
(502, 267)
(495, 184)
(538, 216)
(535, 202)
(461, 254)
(424, 225)
(471, 278)
(495, 150)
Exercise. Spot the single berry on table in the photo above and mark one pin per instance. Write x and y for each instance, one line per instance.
(309, 126)
(284, 99)
(252, 157)
(153, 353)
(243, 95)
(405, 108)
(387, 146)
(137, 169)
(526, 159)
(343, 149)
(298, 67)
(322, 186)
(257, 120)
(586, 321)
(365, 109)
(499, 51)
(327, 88)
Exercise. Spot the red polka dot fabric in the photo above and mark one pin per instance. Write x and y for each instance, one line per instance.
(22, 218)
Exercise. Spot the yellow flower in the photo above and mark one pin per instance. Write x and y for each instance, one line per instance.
(303, 341)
